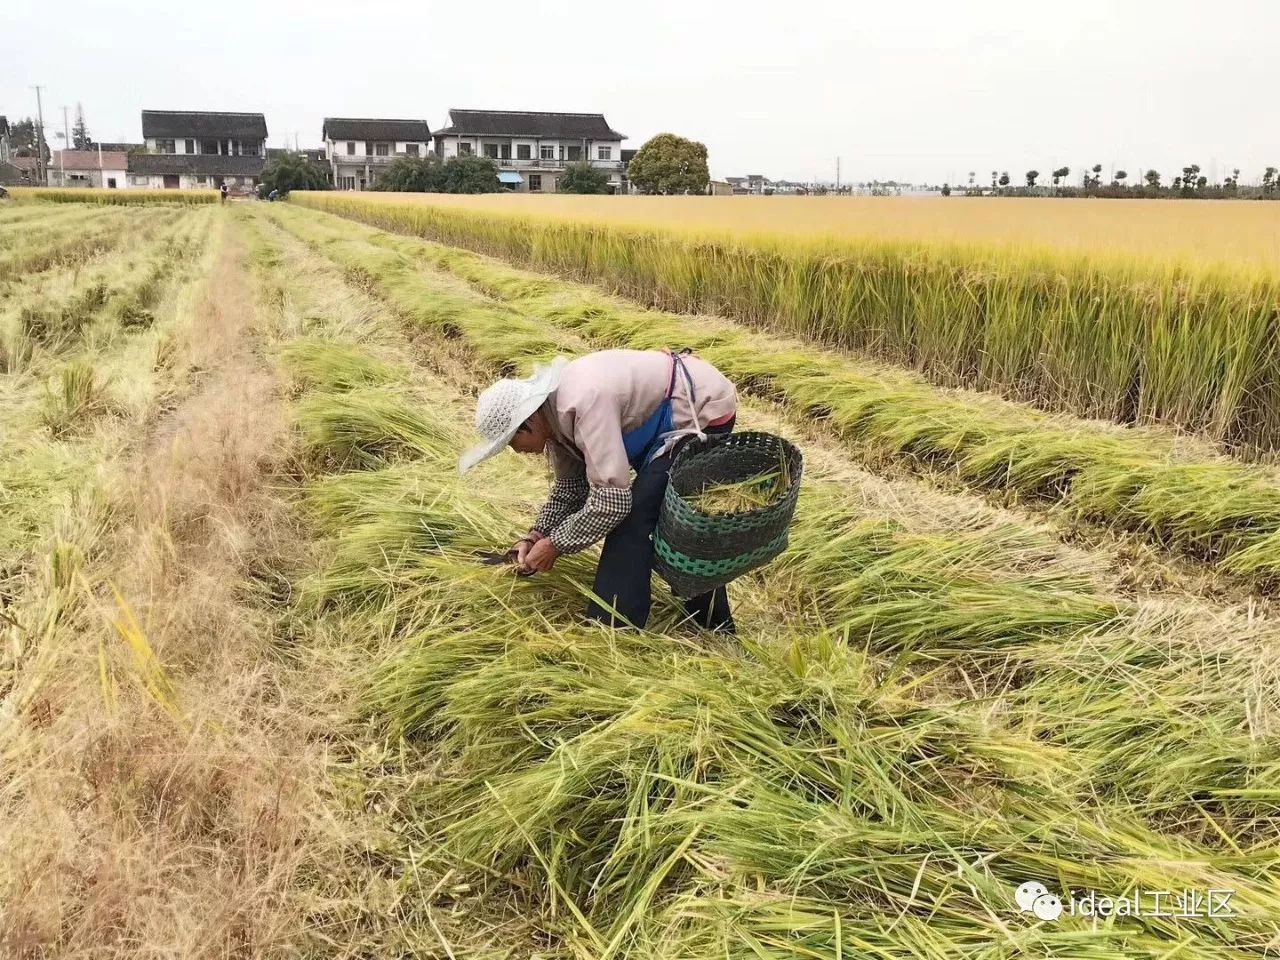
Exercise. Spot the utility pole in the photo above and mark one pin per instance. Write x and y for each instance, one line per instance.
(44, 180)
(837, 175)
(62, 154)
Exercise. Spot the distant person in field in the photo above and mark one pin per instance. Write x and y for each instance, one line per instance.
(599, 418)
(223, 191)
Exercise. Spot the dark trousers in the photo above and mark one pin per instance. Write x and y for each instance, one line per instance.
(626, 560)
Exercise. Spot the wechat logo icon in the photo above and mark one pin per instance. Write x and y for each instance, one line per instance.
(1032, 897)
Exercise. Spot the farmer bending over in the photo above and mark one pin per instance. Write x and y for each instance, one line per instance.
(599, 418)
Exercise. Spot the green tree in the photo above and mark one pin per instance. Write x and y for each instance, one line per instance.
(1031, 177)
(471, 174)
(1152, 177)
(582, 177)
(413, 175)
(293, 171)
(668, 164)
(1190, 175)
(1061, 174)
(946, 189)
(80, 138)
(1004, 179)
(1120, 177)
(1269, 180)
(22, 138)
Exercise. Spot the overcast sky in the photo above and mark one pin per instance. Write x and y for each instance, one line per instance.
(914, 90)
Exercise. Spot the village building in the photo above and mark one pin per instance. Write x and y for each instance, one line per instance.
(89, 168)
(199, 149)
(358, 150)
(20, 172)
(532, 149)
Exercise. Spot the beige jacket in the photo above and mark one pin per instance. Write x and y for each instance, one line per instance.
(600, 397)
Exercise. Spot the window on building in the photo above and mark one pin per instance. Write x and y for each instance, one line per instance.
(535, 183)
(249, 149)
(140, 181)
(165, 146)
(189, 146)
(548, 151)
(209, 146)
(411, 149)
(505, 151)
(464, 148)
(573, 154)
(351, 148)
(202, 180)
(491, 151)
(111, 183)
(524, 151)
(368, 148)
(604, 153)
(381, 149)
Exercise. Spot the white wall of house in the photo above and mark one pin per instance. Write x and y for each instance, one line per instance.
(351, 171)
(188, 181)
(337, 149)
(559, 150)
(228, 147)
(87, 178)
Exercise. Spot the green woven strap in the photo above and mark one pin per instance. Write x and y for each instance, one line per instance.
(695, 566)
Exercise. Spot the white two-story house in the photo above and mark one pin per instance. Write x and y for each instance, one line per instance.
(532, 149)
(359, 149)
(193, 149)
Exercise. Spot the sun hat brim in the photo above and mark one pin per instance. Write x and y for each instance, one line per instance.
(544, 381)
(487, 448)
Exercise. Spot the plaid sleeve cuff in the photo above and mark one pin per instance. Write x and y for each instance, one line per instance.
(568, 495)
(606, 507)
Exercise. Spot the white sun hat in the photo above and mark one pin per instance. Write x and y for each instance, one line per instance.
(503, 407)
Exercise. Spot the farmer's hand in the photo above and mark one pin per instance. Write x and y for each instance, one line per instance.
(541, 557)
(520, 549)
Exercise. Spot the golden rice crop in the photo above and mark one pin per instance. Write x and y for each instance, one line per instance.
(633, 785)
(133, 196)
(872, 767)
(1204, 506)
(1125, 336)
(1195, 234)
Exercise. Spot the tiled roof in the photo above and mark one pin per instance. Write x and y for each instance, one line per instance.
(347, 128)
(516, 123)
(87, 160)
(197, 164)
(12, 176)
(169, 124)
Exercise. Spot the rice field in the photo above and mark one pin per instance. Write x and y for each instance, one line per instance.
(131, 197)
(262, 700)
(1201, 234)
(1102, 334)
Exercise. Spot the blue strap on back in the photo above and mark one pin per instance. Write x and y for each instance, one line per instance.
(643, 441)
